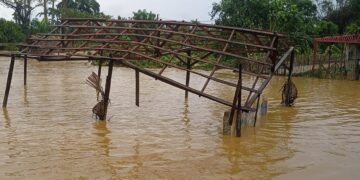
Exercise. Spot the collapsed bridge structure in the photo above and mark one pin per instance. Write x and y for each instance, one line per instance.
(169, 44)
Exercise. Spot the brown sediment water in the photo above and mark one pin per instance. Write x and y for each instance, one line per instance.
(47, 131)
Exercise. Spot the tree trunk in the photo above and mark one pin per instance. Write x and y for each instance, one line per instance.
(52, 14)
(45, 10)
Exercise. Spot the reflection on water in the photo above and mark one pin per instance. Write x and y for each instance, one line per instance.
(47, 131)
(25, 96)
(7, 123)
(102, 132)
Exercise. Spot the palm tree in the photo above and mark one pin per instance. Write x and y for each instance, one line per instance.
(44, 4)
(22, 11)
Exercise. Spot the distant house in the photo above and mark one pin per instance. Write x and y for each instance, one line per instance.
(352, 52)
(352, 60)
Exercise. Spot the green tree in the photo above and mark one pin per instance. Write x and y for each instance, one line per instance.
(326, 28)
(353, 28)
(52, 11)
(341, 12)
(272, 15)
(10, 32)
(295, 17)
(242, 13)
(144, 15)
(37, 26)
(22, 11)
(44, 4)
(78, 8)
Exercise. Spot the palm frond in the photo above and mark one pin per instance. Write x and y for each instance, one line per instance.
(95, 82)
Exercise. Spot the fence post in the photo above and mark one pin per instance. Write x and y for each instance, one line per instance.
(8, 83)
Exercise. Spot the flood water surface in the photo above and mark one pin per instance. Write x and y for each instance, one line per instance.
(48, 132)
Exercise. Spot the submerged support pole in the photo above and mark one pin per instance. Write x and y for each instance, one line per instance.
(100, 64)
(137, 88)
(188, 67)
(8, 83)
(236, 106)
(108, 86)
(25, 70)
(315, 47)
(288, 89)
(257, 109)
(239, 112)
(292, 59)
(99, 71)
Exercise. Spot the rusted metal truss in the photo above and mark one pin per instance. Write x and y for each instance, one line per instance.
(170, 44)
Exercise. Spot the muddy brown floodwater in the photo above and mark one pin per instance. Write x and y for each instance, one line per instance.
(47, 131)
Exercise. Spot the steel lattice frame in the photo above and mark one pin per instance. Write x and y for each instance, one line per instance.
(179, 45)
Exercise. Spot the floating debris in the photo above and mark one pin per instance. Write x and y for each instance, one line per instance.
(95, 82)
(289, 93)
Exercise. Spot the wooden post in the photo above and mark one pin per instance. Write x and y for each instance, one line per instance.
(292, 58)
(8, 83)
(137, 88)
(25, 70)
(257, 109)
(108, 86)
(357, 72)
(239, 112)
(99, 71)
(188, 67)
(236, 106)
(329, 60)
(315, 47)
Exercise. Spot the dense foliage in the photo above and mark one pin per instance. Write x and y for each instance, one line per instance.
(301, 19)
(144, 15)
(22, 11)
(10, 32)
(24, 25)
(38, 26)
(344, 13)
(78, 8)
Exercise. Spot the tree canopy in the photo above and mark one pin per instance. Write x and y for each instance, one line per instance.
(22, 11)
(290, 16)
(10, 32)
(144, 15)
(301, 19)
(344, 13)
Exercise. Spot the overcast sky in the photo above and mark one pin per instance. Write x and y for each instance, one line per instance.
(168, 9)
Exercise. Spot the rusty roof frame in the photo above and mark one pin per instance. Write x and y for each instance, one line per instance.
(183, 44)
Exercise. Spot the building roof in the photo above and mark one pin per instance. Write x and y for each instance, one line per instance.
(349, 39)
